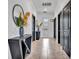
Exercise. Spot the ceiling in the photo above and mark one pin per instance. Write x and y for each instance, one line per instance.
(39, 5)
(51, 8)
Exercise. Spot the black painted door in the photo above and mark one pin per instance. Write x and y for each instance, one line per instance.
(59, 28)
(55, 28)
(33, 27)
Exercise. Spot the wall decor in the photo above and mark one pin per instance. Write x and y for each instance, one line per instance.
(20, 19)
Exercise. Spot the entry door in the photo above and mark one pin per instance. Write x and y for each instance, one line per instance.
(45, 28)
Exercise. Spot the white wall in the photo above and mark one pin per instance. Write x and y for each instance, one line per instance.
(13, 30)
(60, 6)
(51, 29)
(57, 28)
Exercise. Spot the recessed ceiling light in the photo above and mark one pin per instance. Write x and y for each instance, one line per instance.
(45, 10)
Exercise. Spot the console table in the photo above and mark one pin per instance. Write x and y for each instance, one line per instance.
(20, 46)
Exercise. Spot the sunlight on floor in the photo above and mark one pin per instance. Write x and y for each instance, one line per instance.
(46, 43)
(46, 48)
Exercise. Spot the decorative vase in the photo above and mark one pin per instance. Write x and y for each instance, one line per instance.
(21, 31)
(37, 35)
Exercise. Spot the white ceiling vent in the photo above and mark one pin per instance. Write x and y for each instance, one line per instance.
(45, 10)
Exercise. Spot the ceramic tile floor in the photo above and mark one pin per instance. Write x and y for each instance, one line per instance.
(46, 49)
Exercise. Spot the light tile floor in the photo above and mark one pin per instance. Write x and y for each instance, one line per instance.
(46, 49)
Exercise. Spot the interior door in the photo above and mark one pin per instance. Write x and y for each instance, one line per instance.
(59, 28)
(33, 27)
(55, 28)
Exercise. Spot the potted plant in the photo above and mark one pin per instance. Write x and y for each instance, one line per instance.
(38, 25)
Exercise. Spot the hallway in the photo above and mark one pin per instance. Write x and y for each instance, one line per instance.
(40, 28)
(46, 48)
